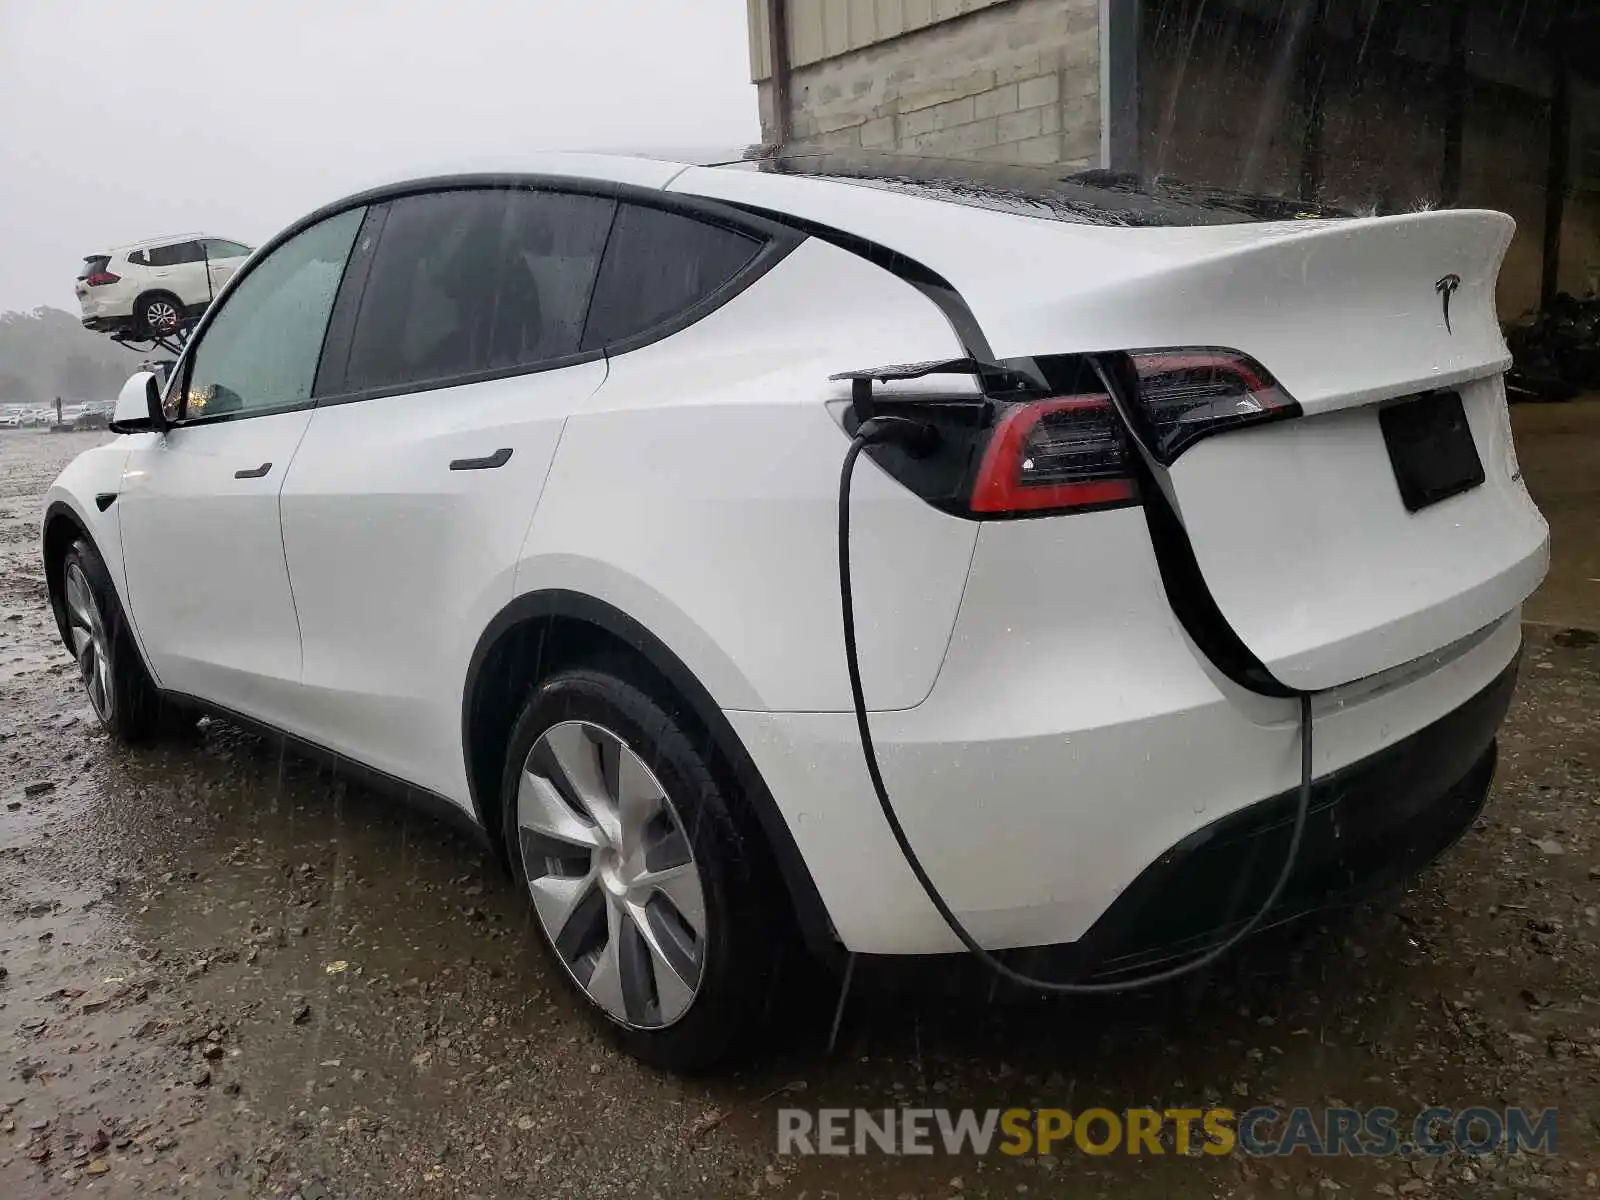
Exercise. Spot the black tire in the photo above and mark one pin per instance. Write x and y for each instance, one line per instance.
(747, 933)
(132, 711)
(146, 314)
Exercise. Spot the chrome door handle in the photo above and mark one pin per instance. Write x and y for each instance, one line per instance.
(488, 463)
(254, 472)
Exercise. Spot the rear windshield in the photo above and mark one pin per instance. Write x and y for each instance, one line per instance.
(93, 263)
(1081, 197)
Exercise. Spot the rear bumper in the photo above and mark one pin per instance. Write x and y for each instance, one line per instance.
(1371, 825)
(104, 318)
(1073, 741)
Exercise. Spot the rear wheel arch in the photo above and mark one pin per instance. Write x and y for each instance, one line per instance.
(150, 294)
(543, 632)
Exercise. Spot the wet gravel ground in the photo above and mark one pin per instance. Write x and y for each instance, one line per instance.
(223, 972)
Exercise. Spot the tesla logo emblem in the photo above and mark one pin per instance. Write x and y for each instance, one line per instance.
(1446, 288)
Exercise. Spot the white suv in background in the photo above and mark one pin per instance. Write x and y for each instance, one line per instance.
(152, 288)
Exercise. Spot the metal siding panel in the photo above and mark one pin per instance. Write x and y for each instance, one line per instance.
(863, 23)
(806, 43)
(760, 68)
(823, 29)
(835, 27)
(891, 19)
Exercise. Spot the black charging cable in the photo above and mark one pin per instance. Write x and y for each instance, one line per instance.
(920, 439)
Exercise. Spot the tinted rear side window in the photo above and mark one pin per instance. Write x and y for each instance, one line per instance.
(658, 264)
(173, 255)
(548, 266)
(470, 281)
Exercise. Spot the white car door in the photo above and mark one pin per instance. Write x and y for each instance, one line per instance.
(201, 538)
(407, 503)
(179, 268)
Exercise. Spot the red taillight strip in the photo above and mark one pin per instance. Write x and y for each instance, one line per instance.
(101, 278)
(1221, 369)
(999, 487)
(1226, 364)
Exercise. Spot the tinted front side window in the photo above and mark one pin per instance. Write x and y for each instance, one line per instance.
(470, 281)
(261, 349)
(215, 248)
(658, 264)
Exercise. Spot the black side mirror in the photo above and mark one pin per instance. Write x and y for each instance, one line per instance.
(139, 406)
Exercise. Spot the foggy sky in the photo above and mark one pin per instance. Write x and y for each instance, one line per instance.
(234, 117)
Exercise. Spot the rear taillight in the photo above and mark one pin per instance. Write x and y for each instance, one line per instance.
(1056, 455)
(101, 278)
(1185, 395)
(1047, 438)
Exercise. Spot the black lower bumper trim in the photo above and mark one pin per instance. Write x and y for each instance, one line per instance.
(1372, 824)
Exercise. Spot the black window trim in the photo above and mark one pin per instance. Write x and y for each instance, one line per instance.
(777, 241)
(337, 338)
(346, 313)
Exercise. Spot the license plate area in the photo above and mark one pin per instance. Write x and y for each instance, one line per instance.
(1430, 448)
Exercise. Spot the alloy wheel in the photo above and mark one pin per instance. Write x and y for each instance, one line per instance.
(612, 874)
(90, 645)
(161, 316)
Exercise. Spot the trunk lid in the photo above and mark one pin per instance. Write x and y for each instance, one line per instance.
(1299, 527)
(1301, 534)
(1310, 533)
(92, 265)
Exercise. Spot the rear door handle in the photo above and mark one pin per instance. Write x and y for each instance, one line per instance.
(488, 463)
(254, 472)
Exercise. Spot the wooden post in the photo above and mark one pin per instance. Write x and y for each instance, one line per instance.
(1119, 83)
(1455, 116)
(1313, 93)
(778, 57)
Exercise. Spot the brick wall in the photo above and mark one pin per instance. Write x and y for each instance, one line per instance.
(1017, 82)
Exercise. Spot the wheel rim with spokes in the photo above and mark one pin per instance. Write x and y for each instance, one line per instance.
(612, 874)
(161, 316)
(89, 642)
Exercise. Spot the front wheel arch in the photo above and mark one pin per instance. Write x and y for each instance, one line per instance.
(62, 527)
(542, 632)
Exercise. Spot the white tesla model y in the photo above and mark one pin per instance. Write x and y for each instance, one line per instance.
(521, 492)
